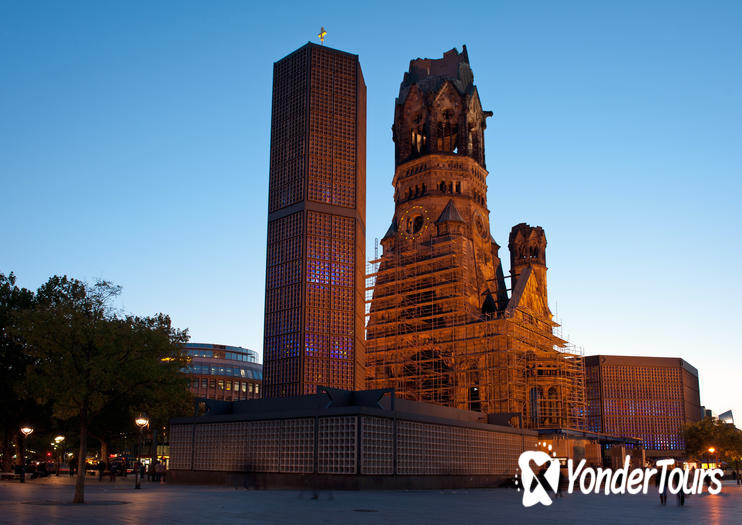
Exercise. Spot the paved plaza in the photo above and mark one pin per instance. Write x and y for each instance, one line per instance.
(47, 501)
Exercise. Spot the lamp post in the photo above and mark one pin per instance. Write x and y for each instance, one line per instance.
(711, 451)
(58, 440)
(141, 421)
(26, 431)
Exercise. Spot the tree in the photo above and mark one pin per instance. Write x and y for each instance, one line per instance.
(726, 439)
(87, 358)
(14, 410)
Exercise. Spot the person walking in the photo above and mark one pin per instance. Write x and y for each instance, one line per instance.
(681, 494)
(663, 492)
(160, 472)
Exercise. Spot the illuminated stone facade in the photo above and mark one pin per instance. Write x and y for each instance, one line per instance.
(316, 224)
(443, 325)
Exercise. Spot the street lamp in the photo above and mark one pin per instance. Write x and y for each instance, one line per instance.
(711, 451)
(58, 440)
(141, 421)
(26, 431)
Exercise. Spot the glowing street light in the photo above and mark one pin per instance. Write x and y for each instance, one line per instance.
(141, 421)
(58, 442)
(712, 450)
(26, 431)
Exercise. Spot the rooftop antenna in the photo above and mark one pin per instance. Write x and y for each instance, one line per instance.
(322, 34)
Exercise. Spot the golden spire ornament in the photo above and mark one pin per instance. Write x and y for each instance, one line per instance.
(322, 34)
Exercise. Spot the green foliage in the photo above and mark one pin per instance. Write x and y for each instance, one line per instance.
(13, 361)
(14, 410)
(96, 365)
(725, 438)
(86, 357)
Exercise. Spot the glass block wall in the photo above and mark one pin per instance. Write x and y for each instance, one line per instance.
(442, 449)
(377, 454)
(337, 445)
(288, 446)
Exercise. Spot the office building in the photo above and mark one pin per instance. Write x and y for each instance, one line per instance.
(650, 398)
(223, 373)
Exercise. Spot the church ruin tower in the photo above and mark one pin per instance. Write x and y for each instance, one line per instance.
(441, 326)
(441, 265)
(527, 247)
(440, 179)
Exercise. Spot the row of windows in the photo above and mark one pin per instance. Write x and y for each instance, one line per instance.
(234, 356)
(222, 384)
(207, 369)
(666, 407)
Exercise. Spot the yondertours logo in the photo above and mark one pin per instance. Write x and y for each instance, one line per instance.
(533, 488)
(541, 485)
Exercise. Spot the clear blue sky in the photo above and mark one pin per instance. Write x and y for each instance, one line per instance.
(134, 147)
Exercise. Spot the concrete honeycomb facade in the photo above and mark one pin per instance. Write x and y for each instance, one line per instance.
(314, 313)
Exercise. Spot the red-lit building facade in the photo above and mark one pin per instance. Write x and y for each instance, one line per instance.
(225, 373)
(314, 295)
(651, 398)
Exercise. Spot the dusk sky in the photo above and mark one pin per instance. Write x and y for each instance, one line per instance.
(134, 140)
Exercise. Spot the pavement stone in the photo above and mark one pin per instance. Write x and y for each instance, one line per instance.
(45, 501)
